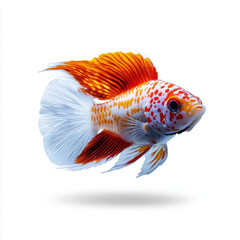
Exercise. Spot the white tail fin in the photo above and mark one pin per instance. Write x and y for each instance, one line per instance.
(65, 121)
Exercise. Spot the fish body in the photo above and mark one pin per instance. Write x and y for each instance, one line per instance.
(139, 116)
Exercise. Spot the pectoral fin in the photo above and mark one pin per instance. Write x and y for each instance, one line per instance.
(132, 130)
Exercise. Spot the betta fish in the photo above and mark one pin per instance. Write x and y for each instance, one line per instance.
(139, 113)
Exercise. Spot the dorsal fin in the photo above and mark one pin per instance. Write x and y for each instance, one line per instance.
(110, 74)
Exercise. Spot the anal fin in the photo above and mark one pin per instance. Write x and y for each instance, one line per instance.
(130, 155)
(104, 145)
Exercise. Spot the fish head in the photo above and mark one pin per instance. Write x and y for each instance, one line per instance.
(176, 111)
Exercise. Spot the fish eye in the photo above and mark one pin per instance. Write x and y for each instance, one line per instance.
(174, 105)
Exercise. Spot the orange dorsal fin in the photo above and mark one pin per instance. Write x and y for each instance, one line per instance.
(104, 145)
(110, 74)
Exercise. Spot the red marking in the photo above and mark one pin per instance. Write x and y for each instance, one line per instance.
(156, 92)
(158, 101)
(167, 90)
(148, 90)
(179, 116)
(152, 113)
(149, 120)
(159, 110)
(169, 95)
(162, 86)
(170, 85)
(147, 109)
(151, 94)
(151, 101)
(154, 85)
(160, 94)
(180, 92)
(104, 145)
(172, 115)
(156, 98)
(161, 117)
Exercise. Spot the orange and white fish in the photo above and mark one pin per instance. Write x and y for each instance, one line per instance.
(140, 114)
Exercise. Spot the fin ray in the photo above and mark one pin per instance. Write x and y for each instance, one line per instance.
(104, 145)
(131, 129)
(110, 74)
(154, 158)
(65, 121)
(130, 155)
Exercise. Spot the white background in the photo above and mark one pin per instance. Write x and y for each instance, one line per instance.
(195, 194)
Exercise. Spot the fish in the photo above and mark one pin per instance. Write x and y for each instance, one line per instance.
(113, 104)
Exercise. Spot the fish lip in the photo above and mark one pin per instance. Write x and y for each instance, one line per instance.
(198, 109)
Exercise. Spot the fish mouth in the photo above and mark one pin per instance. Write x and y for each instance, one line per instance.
(179, 132)
(198, 111)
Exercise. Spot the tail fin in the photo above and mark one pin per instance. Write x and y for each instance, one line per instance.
(65, 121)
